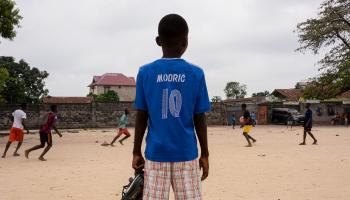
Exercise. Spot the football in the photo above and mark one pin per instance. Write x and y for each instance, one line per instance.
(242, 120)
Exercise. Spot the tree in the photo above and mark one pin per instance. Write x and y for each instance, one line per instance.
(216, 99)
(110, 97)
(261, 94)
(25, 83)
(9, 19)
(235, 90)
(4, 75)
(331, 29)
(329, 84)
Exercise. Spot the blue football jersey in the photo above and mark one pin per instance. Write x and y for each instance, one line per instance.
(171, 91)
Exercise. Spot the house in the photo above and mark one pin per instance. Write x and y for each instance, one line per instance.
(344, 95)
(123, 85)
(288, 94)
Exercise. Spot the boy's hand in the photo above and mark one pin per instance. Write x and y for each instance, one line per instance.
(204, 164)
(138, 163)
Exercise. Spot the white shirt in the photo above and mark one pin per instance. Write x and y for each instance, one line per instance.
(18, 117)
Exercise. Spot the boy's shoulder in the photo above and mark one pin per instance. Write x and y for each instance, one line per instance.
(188, 66)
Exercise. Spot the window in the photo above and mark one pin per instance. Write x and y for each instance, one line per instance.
(106, 89)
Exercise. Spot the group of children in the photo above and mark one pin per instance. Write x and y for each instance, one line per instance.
(18, 126)
(17, 131)
(248, 123)
(171, 102)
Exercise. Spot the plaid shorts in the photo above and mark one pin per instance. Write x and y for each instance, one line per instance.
(184, 177)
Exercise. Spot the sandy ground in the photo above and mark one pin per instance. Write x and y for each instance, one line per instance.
(275, 168)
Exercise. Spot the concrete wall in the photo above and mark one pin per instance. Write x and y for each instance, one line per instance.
(324, 112)
(94, 115)
(103, 115)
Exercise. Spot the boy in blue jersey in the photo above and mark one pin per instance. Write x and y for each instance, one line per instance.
(308, 125)
(171, 100)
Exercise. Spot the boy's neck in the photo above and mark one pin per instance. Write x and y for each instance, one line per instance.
(171, 54)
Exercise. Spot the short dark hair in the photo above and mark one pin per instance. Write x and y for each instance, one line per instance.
(23, 105)
(53, 107)
(308, 105)
(244, 105)
(172, 28)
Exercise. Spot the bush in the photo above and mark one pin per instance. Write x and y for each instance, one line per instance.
(110, 97)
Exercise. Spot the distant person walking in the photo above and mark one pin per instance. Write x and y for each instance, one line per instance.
(308, 125)
(122, 129)
(290, 121)
(45, 134)
(233, 120)
(16, 132)
(253, 116)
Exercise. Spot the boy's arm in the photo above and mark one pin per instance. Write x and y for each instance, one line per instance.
(24, 126)
(307, 115)
(200, 124)
(138, 161)
(55, 128)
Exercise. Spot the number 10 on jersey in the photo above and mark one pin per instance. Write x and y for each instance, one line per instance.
(173, 102)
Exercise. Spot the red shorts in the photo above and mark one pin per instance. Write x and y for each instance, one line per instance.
(16, 134)
(123, 131)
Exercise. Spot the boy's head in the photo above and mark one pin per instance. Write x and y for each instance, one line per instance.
(244, 106)
(53, 108)
(23, 106)
(172, 34)
(126, 111)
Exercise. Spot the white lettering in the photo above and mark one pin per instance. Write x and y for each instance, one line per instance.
(159, 78)
(171, 78)
(183, 78)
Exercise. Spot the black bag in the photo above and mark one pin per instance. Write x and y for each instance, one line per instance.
(134, 190)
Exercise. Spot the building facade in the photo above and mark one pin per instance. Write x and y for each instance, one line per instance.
(123, 85)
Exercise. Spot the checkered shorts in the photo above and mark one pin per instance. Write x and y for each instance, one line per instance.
(184, 177)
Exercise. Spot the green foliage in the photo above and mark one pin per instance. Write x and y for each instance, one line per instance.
(25, 83)
(261, 94)
(110, 97)
(331, 30)
(4, 75)
(9, 19)
(235, 90)
(329, 84)
(216, 99)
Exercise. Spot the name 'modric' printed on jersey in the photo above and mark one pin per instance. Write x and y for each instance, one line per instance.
(180, 78)
(172, 102)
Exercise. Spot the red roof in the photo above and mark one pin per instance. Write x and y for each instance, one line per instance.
(288, 94)
(67, 100)
(344, 95)
(113, 79)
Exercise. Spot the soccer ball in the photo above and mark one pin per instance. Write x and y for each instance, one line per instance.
(242, 120)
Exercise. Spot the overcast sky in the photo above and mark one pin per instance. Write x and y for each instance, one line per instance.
(249, 41)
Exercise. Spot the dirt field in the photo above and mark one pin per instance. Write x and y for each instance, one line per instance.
(78, 167)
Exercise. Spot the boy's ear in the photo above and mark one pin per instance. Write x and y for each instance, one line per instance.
(158, 41)
(185, 42)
